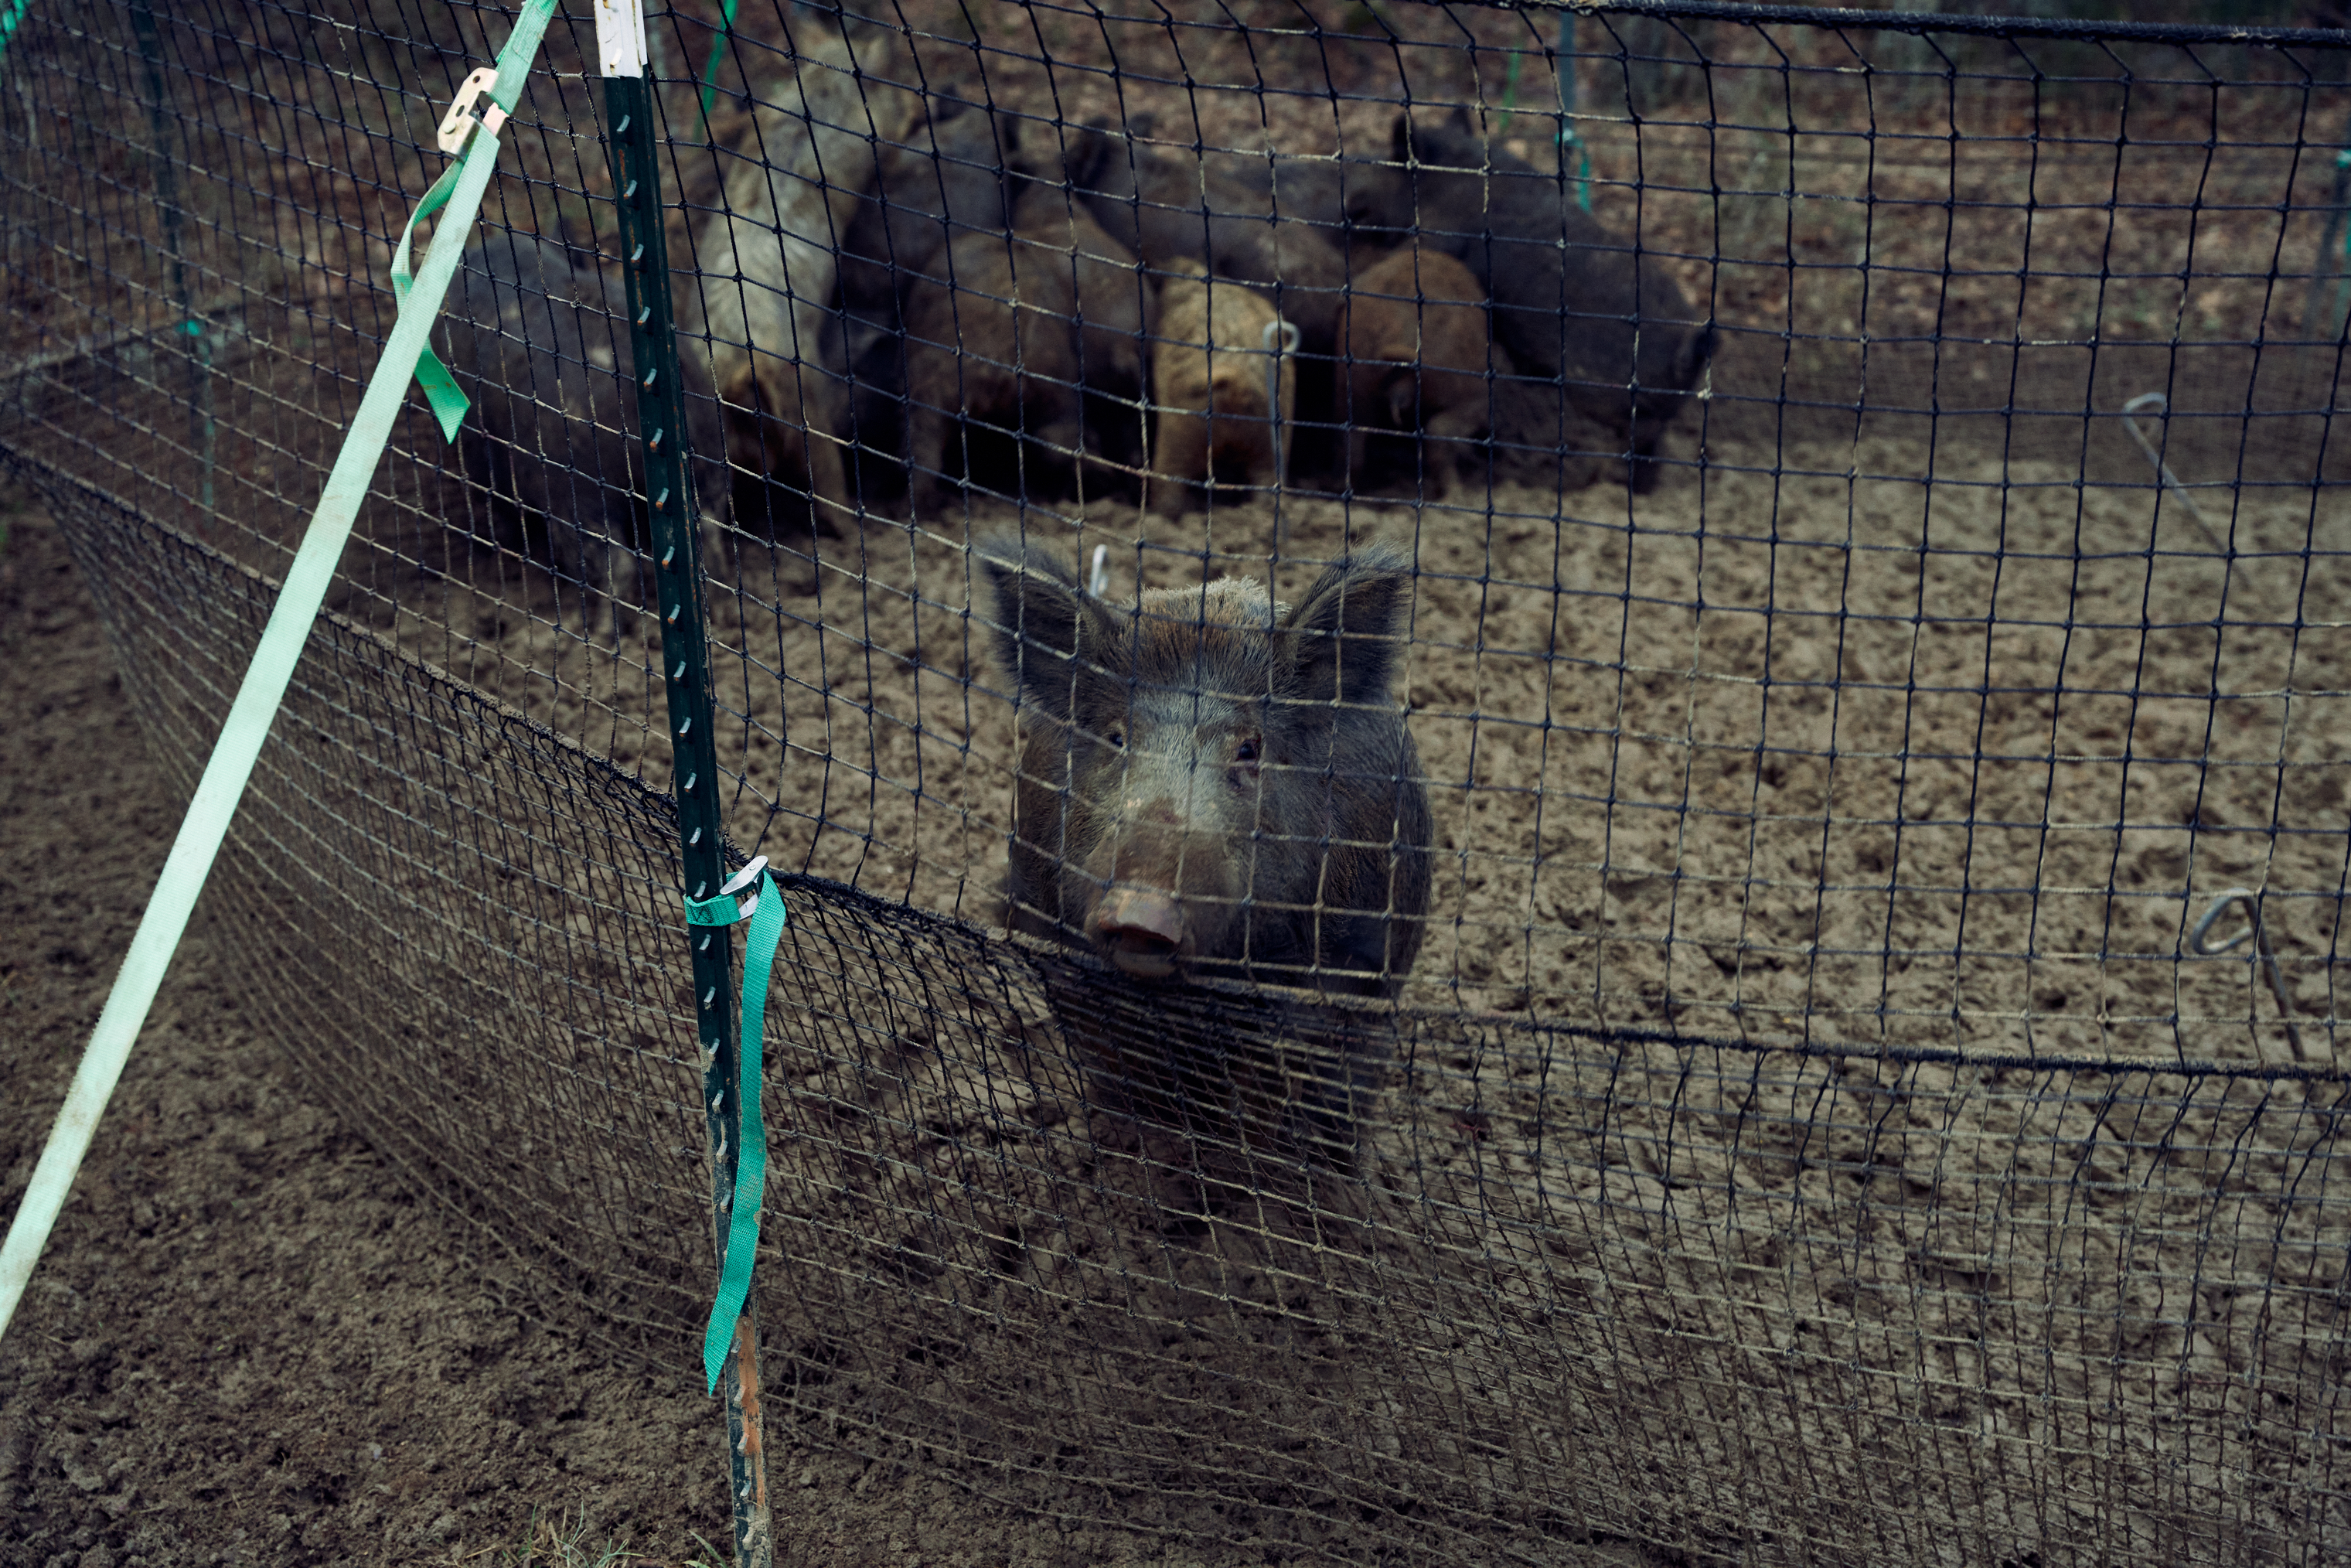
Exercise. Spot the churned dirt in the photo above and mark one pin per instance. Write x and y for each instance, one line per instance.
(251, 1341)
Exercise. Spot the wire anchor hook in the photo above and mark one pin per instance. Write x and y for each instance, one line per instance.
(2165, 477)
(2200, 944)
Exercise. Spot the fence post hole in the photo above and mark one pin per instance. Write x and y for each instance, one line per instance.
(685, 666)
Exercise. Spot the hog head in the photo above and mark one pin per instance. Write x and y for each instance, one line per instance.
(1214, 782)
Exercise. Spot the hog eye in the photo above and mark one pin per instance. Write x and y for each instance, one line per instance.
(1247, 752)
(1116, 738)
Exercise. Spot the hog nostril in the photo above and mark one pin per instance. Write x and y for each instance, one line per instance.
(1140, 932)
(1142, 943)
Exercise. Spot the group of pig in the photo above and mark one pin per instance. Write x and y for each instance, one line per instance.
(1213, 783)
(1106, 299)
(1026, 304)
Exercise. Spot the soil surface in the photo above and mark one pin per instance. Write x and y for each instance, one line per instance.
(251, 1341)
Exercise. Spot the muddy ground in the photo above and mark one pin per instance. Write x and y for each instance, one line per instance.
(251, 1341)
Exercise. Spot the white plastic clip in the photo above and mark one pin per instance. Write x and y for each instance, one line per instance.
(747, 877)
(1099, 577)
(621, 37)
(457, 125)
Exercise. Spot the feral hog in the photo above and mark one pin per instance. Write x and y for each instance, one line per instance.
(1414, 356)
(1117, 315)
(949, 177)
(1208, 380)
(1039, 341)
(1572, 302)
(1271, 223)
(1216, 783)
(540, 343)
(769, 272)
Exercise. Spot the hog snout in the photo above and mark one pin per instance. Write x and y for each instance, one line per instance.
(1166, 874)
(1141, 929)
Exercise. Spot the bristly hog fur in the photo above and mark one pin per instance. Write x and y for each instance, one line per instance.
(1208, 384)
(768, 264)
(1575, 303)
(1273, 222)
(1215, 782)
(1041, 335)
(1416, 357)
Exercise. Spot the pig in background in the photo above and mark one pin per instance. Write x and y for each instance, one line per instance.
(954, 174)
(1266, 217)
(1572, 301)
(1216, 783)
(1211, 388)
(771, 350)
(1033, 357)
(1415, 360)
(1275, 223)
(537, 337)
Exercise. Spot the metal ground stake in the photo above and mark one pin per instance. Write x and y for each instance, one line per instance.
(686, 664)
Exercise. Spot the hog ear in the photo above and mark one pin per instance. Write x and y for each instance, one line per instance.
(1016, 171)
(1696, 350)
(1050, 635)
(1083, 147)
(1342, 637)
(1403, 402)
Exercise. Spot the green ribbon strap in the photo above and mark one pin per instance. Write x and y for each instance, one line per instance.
(717, 53)
(767, 917)
(441, 390)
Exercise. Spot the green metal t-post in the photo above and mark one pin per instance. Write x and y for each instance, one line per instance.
(686, 665)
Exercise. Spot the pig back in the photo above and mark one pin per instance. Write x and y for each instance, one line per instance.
(1418, 313)
(1115, 306)
(1572, 300)
(953, 175)
(540, 339)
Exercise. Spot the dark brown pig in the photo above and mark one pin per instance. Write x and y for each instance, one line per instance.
(1415, 357)
(1214, 782)
(1275, 224)
(1117, 310)
(1040, 340)
(950, 176)
(1573, 302)
(537, 336)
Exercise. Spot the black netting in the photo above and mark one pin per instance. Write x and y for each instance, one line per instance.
(1841, 513)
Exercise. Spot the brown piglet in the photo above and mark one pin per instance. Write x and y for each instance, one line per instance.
(1208, 380)
(1039, 340)
(1415, 358)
